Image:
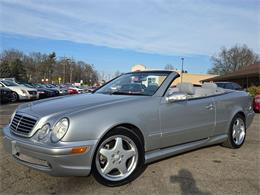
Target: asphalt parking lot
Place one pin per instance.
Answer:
(211, 170)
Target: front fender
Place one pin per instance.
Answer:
(94, 124)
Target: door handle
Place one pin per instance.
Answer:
(210, 107)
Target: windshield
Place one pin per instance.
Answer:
(138, 83)
(40, 86)
(9, 83)
(27, 85)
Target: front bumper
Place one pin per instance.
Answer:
(28, 97)
(54, 160)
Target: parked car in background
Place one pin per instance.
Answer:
(56, 91)
(19, 92)
(256, 102)
(5, 95)
(73, 88)
(62, 90)
(229, 85)
(72, 91)
(115, 131)
(43, 92)
(91, 89)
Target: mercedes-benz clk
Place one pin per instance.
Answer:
(133, 120)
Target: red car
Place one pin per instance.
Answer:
(256, 102)
(72, 91)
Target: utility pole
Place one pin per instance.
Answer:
(182, 59)
(70, 73)
(64, 70)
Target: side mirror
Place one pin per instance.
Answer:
(174, 97)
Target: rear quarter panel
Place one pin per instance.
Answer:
(227, 106)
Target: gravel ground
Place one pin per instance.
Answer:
(211, 170)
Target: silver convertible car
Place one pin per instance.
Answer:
(133, 120)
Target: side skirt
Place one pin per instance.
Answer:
(155, 155)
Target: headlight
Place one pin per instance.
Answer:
(59, 130)
(23, 91)
(43, 132)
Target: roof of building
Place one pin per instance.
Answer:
(250, 70)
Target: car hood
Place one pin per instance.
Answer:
(14, 88)
(69, 104)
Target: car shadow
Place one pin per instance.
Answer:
(187, 183)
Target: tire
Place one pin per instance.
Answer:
(108, 168)
(15, 97)
(237, 132)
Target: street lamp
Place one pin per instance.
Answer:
(182, 60)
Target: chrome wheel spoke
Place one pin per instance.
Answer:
(234, 133)
(122, 168)
(237, 136)
(241, 135)
(129, 153)
(105, 152)
(237, 123)
(109, 167)
(118, 144)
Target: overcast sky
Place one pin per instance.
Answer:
(150, 27)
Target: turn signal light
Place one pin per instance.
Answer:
(79, 150)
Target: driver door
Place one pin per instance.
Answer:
(186, 120)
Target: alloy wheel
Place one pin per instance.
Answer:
(238, 133)
(116, 158)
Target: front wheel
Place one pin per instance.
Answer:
(237, 132)
(14, 97)
(119, 158)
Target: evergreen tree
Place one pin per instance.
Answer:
(5, 71)
(18, 70)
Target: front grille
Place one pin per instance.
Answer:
(22, 125)
(32, 92)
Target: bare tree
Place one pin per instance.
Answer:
(233, 59)
(11, 55)
(37, 66)
(117, 73)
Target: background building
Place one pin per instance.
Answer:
(138, 67)
(186, 77)
(193, 78)
(246, 77)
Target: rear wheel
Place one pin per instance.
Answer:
(237, 132)
(119, 158)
